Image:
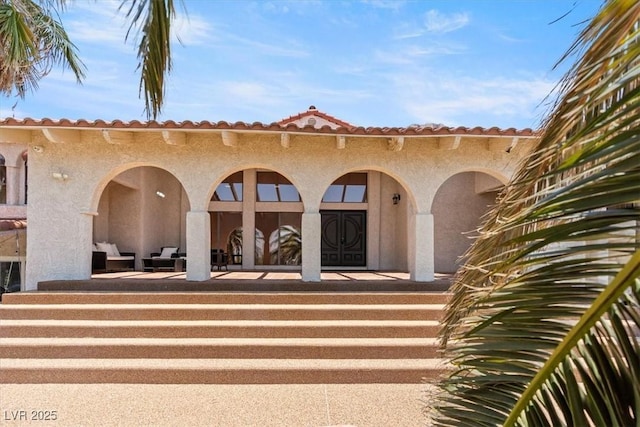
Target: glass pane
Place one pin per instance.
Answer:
(273, 187)
(349, 188)
(224, 225)
(355, 194)
(224, 193)
(237, 189)
(267, 193)
(284, 245)
(333, 194)
(289, 240)
(230, 189)
(288, 193)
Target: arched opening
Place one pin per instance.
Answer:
(458, 208)
(141, 210)
(364, 222)
(267, 203)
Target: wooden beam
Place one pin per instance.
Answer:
(174, 138)
(230, 139)
(341, 142)
(285, 140)
(395, 143)
(116, 137)
(15, 136)
(61, 135)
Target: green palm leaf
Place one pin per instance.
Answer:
(542, 327)
(153, 20)
(33, 41)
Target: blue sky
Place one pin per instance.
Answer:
(370, 63)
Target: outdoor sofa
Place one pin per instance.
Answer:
(106, 257)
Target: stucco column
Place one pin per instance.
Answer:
(421, 250)
(62, 252)
(199, 246)
(249, 219)
(311, 245)
(373, 221)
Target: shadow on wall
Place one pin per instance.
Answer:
(458, 208)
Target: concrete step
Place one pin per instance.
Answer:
(222, 311)
(219, 348)
(220, 371)
(76, 297)
(219, 328)
(220, 337)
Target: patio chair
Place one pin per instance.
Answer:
(219, 259)
(163, 260)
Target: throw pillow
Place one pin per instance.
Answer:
(168, 251)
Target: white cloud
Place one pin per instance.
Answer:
(413, 54)
(252, 92)
(299, 7)
(92, 33)
(437, 22)
(385, 4)
(192, 30)
(273, 49)
(498, 101)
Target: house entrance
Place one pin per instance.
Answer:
(344, 238)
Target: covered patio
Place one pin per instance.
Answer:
(251, 281)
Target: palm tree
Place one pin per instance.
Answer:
(543, 327)
(33, 41)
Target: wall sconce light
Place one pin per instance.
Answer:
(60, 176)
(38, 148)
(160, 194)
(396, 198)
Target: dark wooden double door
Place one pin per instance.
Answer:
(344, 241)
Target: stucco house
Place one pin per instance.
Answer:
(313, 192)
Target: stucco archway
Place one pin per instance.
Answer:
(142, 209)
(375, 203)
(262, 200)
(458, 207)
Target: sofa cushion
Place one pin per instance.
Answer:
(104, 247)
(114, 250)
(168, 251)
(110, 248)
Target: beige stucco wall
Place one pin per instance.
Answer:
(458, 204)
(62, 212)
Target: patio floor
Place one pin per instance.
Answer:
(337, 281)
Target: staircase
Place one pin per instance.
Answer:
(219, 337)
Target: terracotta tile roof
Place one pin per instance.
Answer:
(413, 130)
(313, 111)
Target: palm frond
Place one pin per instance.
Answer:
(153, 19)
(542, 327)
(33, 41)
